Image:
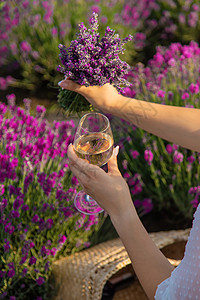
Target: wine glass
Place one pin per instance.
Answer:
(93, 141)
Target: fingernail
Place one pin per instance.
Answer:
(116, 151)
(59, 83)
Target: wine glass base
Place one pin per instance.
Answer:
(86, 204)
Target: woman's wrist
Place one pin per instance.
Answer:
(124, 217)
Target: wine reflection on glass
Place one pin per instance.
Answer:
(93, 141)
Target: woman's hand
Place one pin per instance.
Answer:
(110, 190)
(102, 97)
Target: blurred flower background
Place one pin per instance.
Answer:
(38, 221)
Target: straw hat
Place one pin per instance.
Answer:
(83, 275)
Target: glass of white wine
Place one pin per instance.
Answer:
(93, 141)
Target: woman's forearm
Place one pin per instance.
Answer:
(150, 265)
(179, 125)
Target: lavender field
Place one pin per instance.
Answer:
(38, 220)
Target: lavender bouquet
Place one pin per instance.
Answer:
(92, 61)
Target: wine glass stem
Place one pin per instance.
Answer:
(88, 198)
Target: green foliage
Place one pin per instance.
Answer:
(73, 102)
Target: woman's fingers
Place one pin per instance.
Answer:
(71, 85)
(112, 163)
(82, 166)
(82, 178)
(85, 179)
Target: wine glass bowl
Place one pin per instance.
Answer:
(93, 141)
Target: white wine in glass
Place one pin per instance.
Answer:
(94, 142)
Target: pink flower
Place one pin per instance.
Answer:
(131, 181)
(127, 92)
(175, 147)
(35, 54)
(96, 9)
(54, 31)
(23, 259)
(35, 219)
(147, 205)
(125, 164)
(181, 18)
(11, 99)
(178, 157)
(9, 228)
(161, 94)
(139, 36)
(49, 223)
(48, 17)
(126, 175)
(53, 251)
(7, 246)
(185, 96)
(137, 203)
(24, 272)
(40, 111)
(169, 149)
(195, 202)
(75, 180)
(25, 4)
(195, 7)
(2, 189)
(193, 19)
(3, 83)
(134, 153)
(40, 280)
(4, 36)
(86, 244)
(136, 189)
(158, 59)
(11, 273)
(172, 62)
(25, 46)
(62, 239)
(104, 20)
(32, 260)
(194, 88)
(32, 244)
(3, 108)
(45, 4)
(191, 159)
(148, 156)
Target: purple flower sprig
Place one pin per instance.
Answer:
(90, 61)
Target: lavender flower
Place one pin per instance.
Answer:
(36, 195)
(148, 156)
(32, 260)
(93, 61)
(11, 273)
(178, 157)
(158, 22)
(40, 280)
(147, 205)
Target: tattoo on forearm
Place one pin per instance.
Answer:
(142, 108)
